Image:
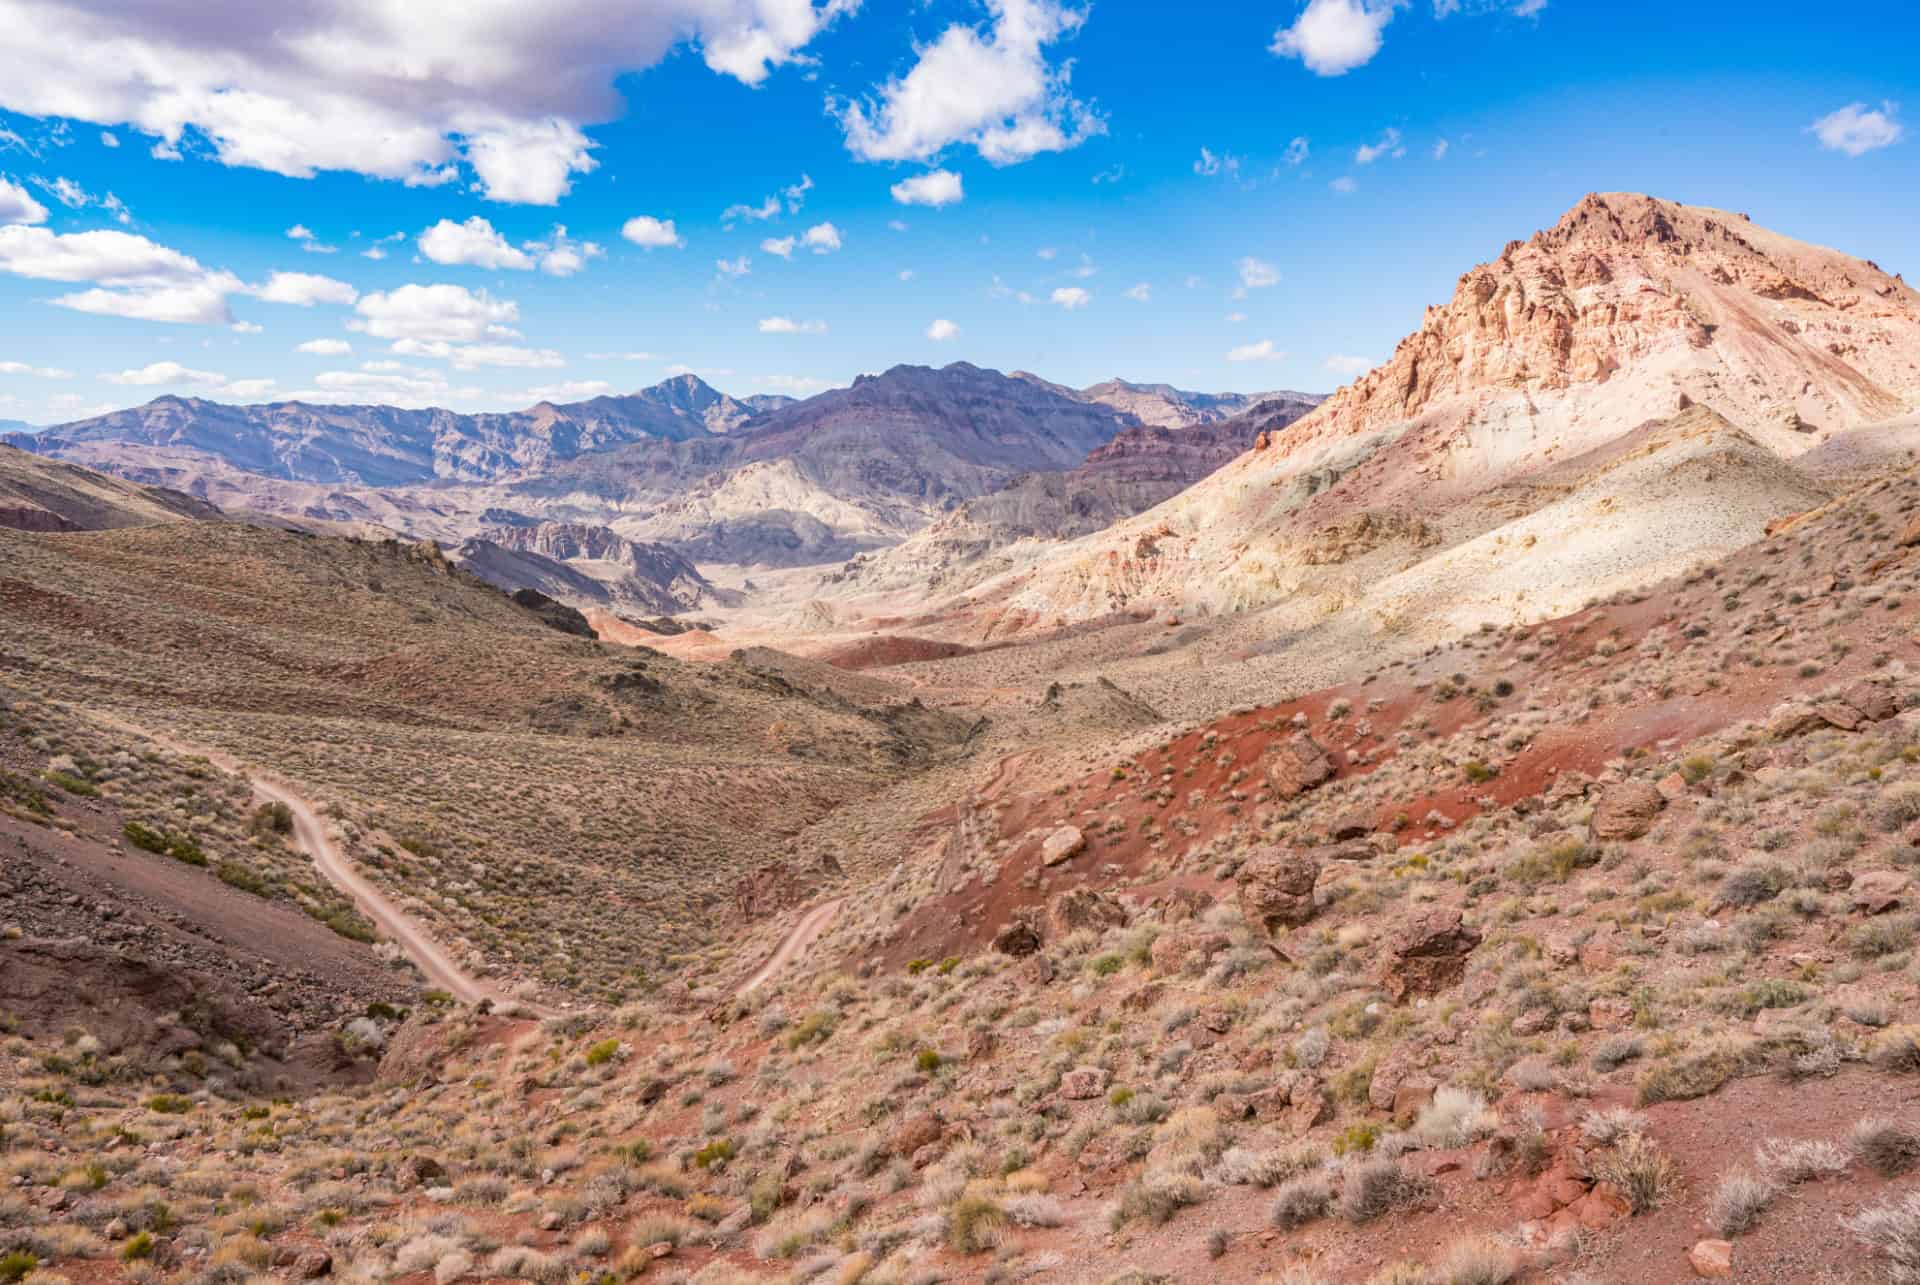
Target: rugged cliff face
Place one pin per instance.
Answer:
(1624, 314)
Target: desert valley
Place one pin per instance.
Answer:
(1453, 823)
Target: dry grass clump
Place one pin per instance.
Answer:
(1300, 1201)
(1377, 1186)
(1794, 1161)
(1454, 1118)
(523, 1262)
(1640, 1169)
(1888, 1147)
(1478, 1261)
(1737, 1202)
(1892, 1230)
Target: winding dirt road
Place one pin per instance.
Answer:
(310, 836)
(796, 943)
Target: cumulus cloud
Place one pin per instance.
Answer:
(164, 372)
(18, 206)
(436, 313)
(560, 255)
(651, 233)
(935, 188)
(474, 356)
(942, 330)
(1262, 351)
(473, 243)
(1348, 367)
(739, 267)
(788, 326)
(1141, 293)
(1389, 145)
(822, 238)
(1440, 150)
(1297, 151)
(1332, 37)
(1071, 297)
(134, 277)
(567, 390)
(1255, 274)
(43, 372)
(308, 241)
(392, 89)
(789, 198)
(1343, 184)
(325, 347)
(994, 91)
(304, 289)
(780, 246)
(1856, 131)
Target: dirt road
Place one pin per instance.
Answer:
(804, 934)
(310, 835)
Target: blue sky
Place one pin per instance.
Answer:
(1131, 197)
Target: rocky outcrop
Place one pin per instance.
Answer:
(1276, 890)
(1084, 908)
(1299, 765)
(1428, 954)
(1626, 811)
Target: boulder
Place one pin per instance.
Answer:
(1878, 891)
(1610, 1013)
(1063, 844)
(1626, 811)
(1428, 954)
(1874, 700)
(1841, 715)
(1083, 1082)
(1276, 889)
(419, 1171)
(312, 1265)
(1019, 938)
(1172, 951)
(1085, 908)
(1299, 764)
(1793, 718)
(916, 1132)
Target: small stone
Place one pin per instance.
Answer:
(1711, 1258)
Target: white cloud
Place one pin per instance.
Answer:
(906, 274)
(1256, 274)
(311, 244)
(325, 347)
(1047, 252)
(17, 206)
(146, 281)
(1071, 297)
(474, 244)
(654, 234)
(63, 190)
(398, 386)
(1141, 293)
(793, 385)
(1236, 317)
(1348, 367)
(1440, 150)
(1209, 164)
(622, 356)
(738, 267)
(109, 139)
(942, 330)
(1856, 131)
(164, 372)
(304, 289)
(1389, 145)
(935, 188)
(438, 313)
(788, 326)
(392, 89)
(779, 246)
(1262, 351)
(570, 390)
(1297, 151)
(995, 92)
(43, 372)
(474, 356)
(560, 255)
(247, 328)
(1343, 184)
(822, 238)
(791, 197)
(897, 225)
(1332, 37)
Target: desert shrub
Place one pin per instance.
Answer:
(814, 1028)
(271, 819)
(716, 1152)
(1032, 1209)
(1640, 1170)
(602, 1053)
(523, 1262)
(1883, 936)
(786, 1236)
(1892, 1230)
(1887, 1147)
(655, 1229)
(1616, 1051)
(1897, 1048)
(1377, 1186)
(1157, 1196)
(1454, 1118)
(1692, 1075)
(1898, 807)
(1479, 1261)
(1301, 1201)
(1792, 1162)
(974, 1224)
(169, 1104)
(144, 837)
(16, 1264)
(1752, 882)
(1738, 1201)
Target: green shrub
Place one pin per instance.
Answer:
(16, 1265)
(814, 1028)
(271, 819)
(602, 1053)
(243, 877)
(138, 1246)
(72, 784)
(144, 837)
(169, 1104)
(927, 1060)
(719, 1151)
(183, 848)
